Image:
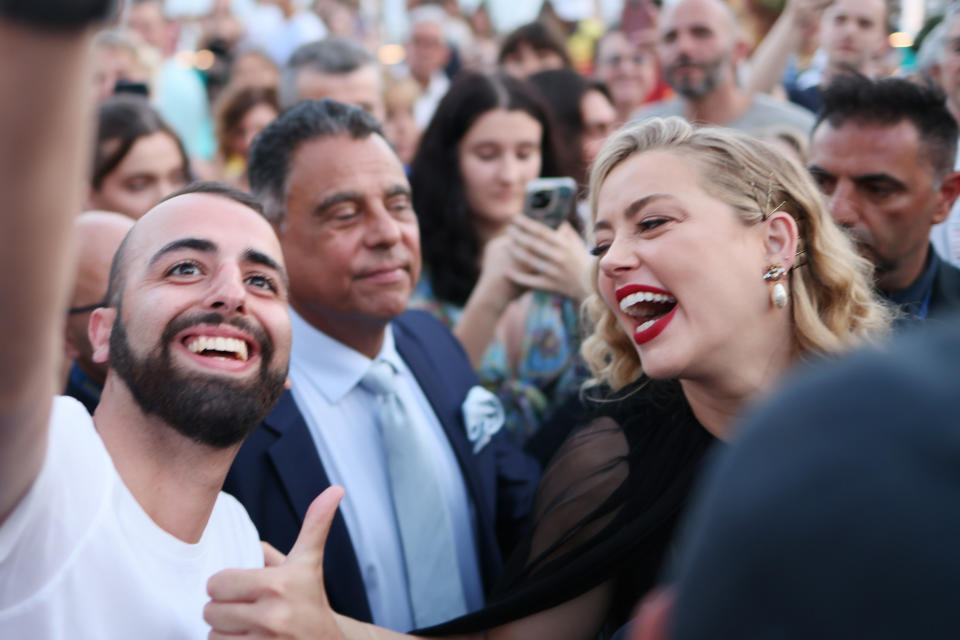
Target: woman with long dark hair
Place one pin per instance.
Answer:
(490, 136)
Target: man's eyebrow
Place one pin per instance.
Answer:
(820, 171)
(398, 190)
(337, 198)
(880, 177)
(258, 257)
(197, 244)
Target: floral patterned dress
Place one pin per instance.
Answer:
(549, 370)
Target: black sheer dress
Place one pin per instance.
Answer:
(605, 509)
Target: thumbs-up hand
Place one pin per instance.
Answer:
(287, 598)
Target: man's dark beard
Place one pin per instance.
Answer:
(210, 409)
(711, 77)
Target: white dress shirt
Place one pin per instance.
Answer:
(342, 419)
(946, 235)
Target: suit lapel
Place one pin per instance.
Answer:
(302, 476)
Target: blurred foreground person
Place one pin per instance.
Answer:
(832, 518)
(138, 159)
(718, 268)
(883, 153)
(98, 236)
(112, 526)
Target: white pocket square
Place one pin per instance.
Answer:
(483, 416)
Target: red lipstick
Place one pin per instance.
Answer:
(651, 332)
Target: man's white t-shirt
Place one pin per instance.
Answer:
(79, 557)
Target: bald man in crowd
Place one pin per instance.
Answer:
(98, 235)
(700, 47)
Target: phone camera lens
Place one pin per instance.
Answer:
(540, 199)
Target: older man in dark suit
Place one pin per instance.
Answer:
(383, 401)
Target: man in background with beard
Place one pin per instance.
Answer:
(110, 527)
(700, 47)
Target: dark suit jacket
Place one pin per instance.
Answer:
(278, 470)
(945, 299)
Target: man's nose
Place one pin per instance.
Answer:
(383, 229)
(227, 292)
(844, 208)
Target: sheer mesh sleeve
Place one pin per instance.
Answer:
(605, 510)
(573, 502)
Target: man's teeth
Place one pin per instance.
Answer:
(644, 296)
(199, 344)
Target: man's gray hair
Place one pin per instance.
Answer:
(333, 55)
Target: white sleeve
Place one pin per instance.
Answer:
(59, 512)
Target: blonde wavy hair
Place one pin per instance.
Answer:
(833, 301)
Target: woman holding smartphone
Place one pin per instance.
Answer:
(507, 284)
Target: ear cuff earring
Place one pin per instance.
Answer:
(778, 295)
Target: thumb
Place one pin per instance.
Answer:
(316, 525)
(271, 557)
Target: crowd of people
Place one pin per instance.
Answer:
(639, 330)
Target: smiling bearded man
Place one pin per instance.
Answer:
(124, 522)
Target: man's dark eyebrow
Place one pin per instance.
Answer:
(337, 198)
(398, 190)
(258, 257)
(817, 170)
(880, 177)
(197, 244)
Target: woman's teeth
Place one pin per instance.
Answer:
(645, 303)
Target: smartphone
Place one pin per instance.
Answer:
(549, 200)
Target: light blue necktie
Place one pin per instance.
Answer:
(426, 531)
